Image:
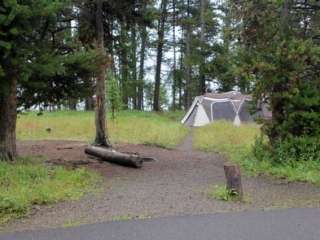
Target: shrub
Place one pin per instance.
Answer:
(288, 151)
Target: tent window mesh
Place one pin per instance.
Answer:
(223, 110)
(244, 112)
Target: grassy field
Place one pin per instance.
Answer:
(225, 138)
(28, 182)
(162, 129)
(235, 143)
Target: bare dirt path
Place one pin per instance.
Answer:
(176, 184)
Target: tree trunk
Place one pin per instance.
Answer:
(89, 105)
(124, 64)
(112, 48)
(188, 72)
(285, 18)
(134, 66)
(174, 77)
(143, 33)
(8, 118)
(161, 23)
(102, 61)
(180, 85)
(110, 155)
(202, 77)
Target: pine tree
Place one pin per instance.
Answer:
(282, 59)
(23, 24)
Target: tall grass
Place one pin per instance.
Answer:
(129, 127)
(225, 138)
(236, 144)
(28, 182)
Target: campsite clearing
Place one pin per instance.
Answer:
(177, 184)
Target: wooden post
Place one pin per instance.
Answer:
(233, 177)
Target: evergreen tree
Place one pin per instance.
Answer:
(281, 58)
(23, 26)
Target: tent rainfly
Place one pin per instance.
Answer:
(231, 106)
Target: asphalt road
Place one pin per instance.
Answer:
(291, 224)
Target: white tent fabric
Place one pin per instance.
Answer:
(232, 106)
(201, 117)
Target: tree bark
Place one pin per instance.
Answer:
(161, 23)
(89, 105)
(174, 77)
(285, 19)
(8, 118)
(134, 65)
(188, 73)
(202, 77)
(110, 155)
(124, 64)
(143, 33)
(101, 138)
(233, 178)
(180, 85)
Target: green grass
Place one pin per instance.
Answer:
(221, 193)
(235, 143)
(29, 182)
(223, 137)
(135, 127)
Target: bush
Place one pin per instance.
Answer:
(289, 151)
(296, 159)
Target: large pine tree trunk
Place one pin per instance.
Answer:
(174, 81)
(8, 117)
(102, 61)
(180, 84)
(143, 33)
(124, 66)
(88, 104)
(156, 100)
(202, 77)
(188, 73)
(134, 66)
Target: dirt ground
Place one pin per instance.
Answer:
(176, 184)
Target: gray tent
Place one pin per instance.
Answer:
(231, 106)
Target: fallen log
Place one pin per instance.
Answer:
(233, 177)
(113, 156)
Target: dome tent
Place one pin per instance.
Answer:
(231, 106)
